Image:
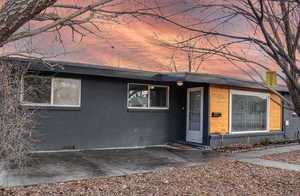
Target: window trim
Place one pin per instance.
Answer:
(249, 93)
(52, 93)
(149, 106)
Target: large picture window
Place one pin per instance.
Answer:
(144, 96)
(50, 91)
(249, 111)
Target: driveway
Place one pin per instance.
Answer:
(76, 165)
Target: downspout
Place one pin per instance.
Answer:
(283, 121)
(208, 115)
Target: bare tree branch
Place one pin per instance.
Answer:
(273, 29)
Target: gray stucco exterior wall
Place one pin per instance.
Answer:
(292, 129)
(103, 120)
(291, 124)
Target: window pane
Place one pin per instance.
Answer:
(37, 90)
(249, 113)
(66, 92)
(138, 95)
(195, 111)
(158, 96)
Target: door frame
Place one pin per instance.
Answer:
(201, 109)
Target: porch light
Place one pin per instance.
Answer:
(152, 87)
(179, 83)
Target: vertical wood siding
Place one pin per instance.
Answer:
(220, 102)
(275, 113)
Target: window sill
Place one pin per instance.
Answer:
(148, 110)
(249, 132)
(65, 108)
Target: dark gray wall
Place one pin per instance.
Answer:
(292, 131)
(104, 120)
(251, 138)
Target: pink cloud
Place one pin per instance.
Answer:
(130, 44)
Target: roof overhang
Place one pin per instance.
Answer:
(106, 71)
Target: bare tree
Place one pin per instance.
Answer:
(184, 55)
(270, 28)
(55, 15)
(17, 136)
(192, 58)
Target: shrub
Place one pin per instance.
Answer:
(17, 137)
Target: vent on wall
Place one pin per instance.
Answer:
(216, 114)
(71, 147)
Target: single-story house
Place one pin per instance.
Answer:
(83, 106)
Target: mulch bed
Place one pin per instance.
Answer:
(223, 177)
(288, 157)
(249, 147)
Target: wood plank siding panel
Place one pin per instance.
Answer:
(275, 113)
(220, 102)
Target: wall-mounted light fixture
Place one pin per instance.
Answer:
(179, 83)
(152, 87)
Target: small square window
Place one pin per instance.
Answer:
(66, 92)
(138, 96)
(158, 96)
(37, 90)
(147, 96)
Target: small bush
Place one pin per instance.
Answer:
(265, 142)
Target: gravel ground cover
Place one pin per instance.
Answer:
(288, 157)
(222, 177)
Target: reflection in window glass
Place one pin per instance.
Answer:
(249, 113)
(66, 92)
(50, 91)
(138, 95)
(158, 96)
(195, 110)
(37, 90)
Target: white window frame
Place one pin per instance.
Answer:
(52, 93)
(249, 93)
(149, 88)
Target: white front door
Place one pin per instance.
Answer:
(194, 125)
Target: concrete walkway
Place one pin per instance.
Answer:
(255, 157)
(67, 166)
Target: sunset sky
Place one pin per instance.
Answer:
(135, 44)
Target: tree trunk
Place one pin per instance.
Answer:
(15, 13)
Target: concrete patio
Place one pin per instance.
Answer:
(49, 167)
